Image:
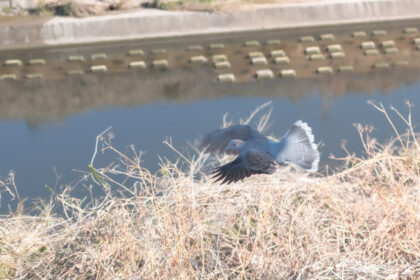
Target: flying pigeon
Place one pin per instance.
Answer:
(256, 154)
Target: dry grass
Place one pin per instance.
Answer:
(82, 8)
(360, 223)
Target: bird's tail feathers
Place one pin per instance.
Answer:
(299, 147)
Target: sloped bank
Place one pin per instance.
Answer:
(360, 223)
(149, 23)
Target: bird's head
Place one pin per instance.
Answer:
(234, 147)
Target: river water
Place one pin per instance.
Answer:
(49, 119)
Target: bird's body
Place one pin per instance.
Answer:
(256, 154)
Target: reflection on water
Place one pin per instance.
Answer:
(52, 122)
(37, 102)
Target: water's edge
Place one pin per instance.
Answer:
(157, 23)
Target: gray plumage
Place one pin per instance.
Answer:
(256, 154)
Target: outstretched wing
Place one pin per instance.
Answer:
(233, 172)
(253, 162)
(217, 141)
(299, 147)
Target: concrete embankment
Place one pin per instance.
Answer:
(149, 23)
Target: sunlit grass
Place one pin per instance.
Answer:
(362, 222)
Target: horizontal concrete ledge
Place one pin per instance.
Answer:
(149, 23)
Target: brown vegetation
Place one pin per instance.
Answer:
(360, 223)
(79, 8)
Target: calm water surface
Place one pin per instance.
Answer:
(48, 126)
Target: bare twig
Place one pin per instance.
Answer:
(99, 137)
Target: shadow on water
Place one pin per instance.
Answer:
(51, 124)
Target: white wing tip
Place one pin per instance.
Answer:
(314, 167)
(308, 132)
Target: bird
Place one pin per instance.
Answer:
(257, 154)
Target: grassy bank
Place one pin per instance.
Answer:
(79, 8)
(362, 222)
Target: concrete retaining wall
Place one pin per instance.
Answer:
(156, 23)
